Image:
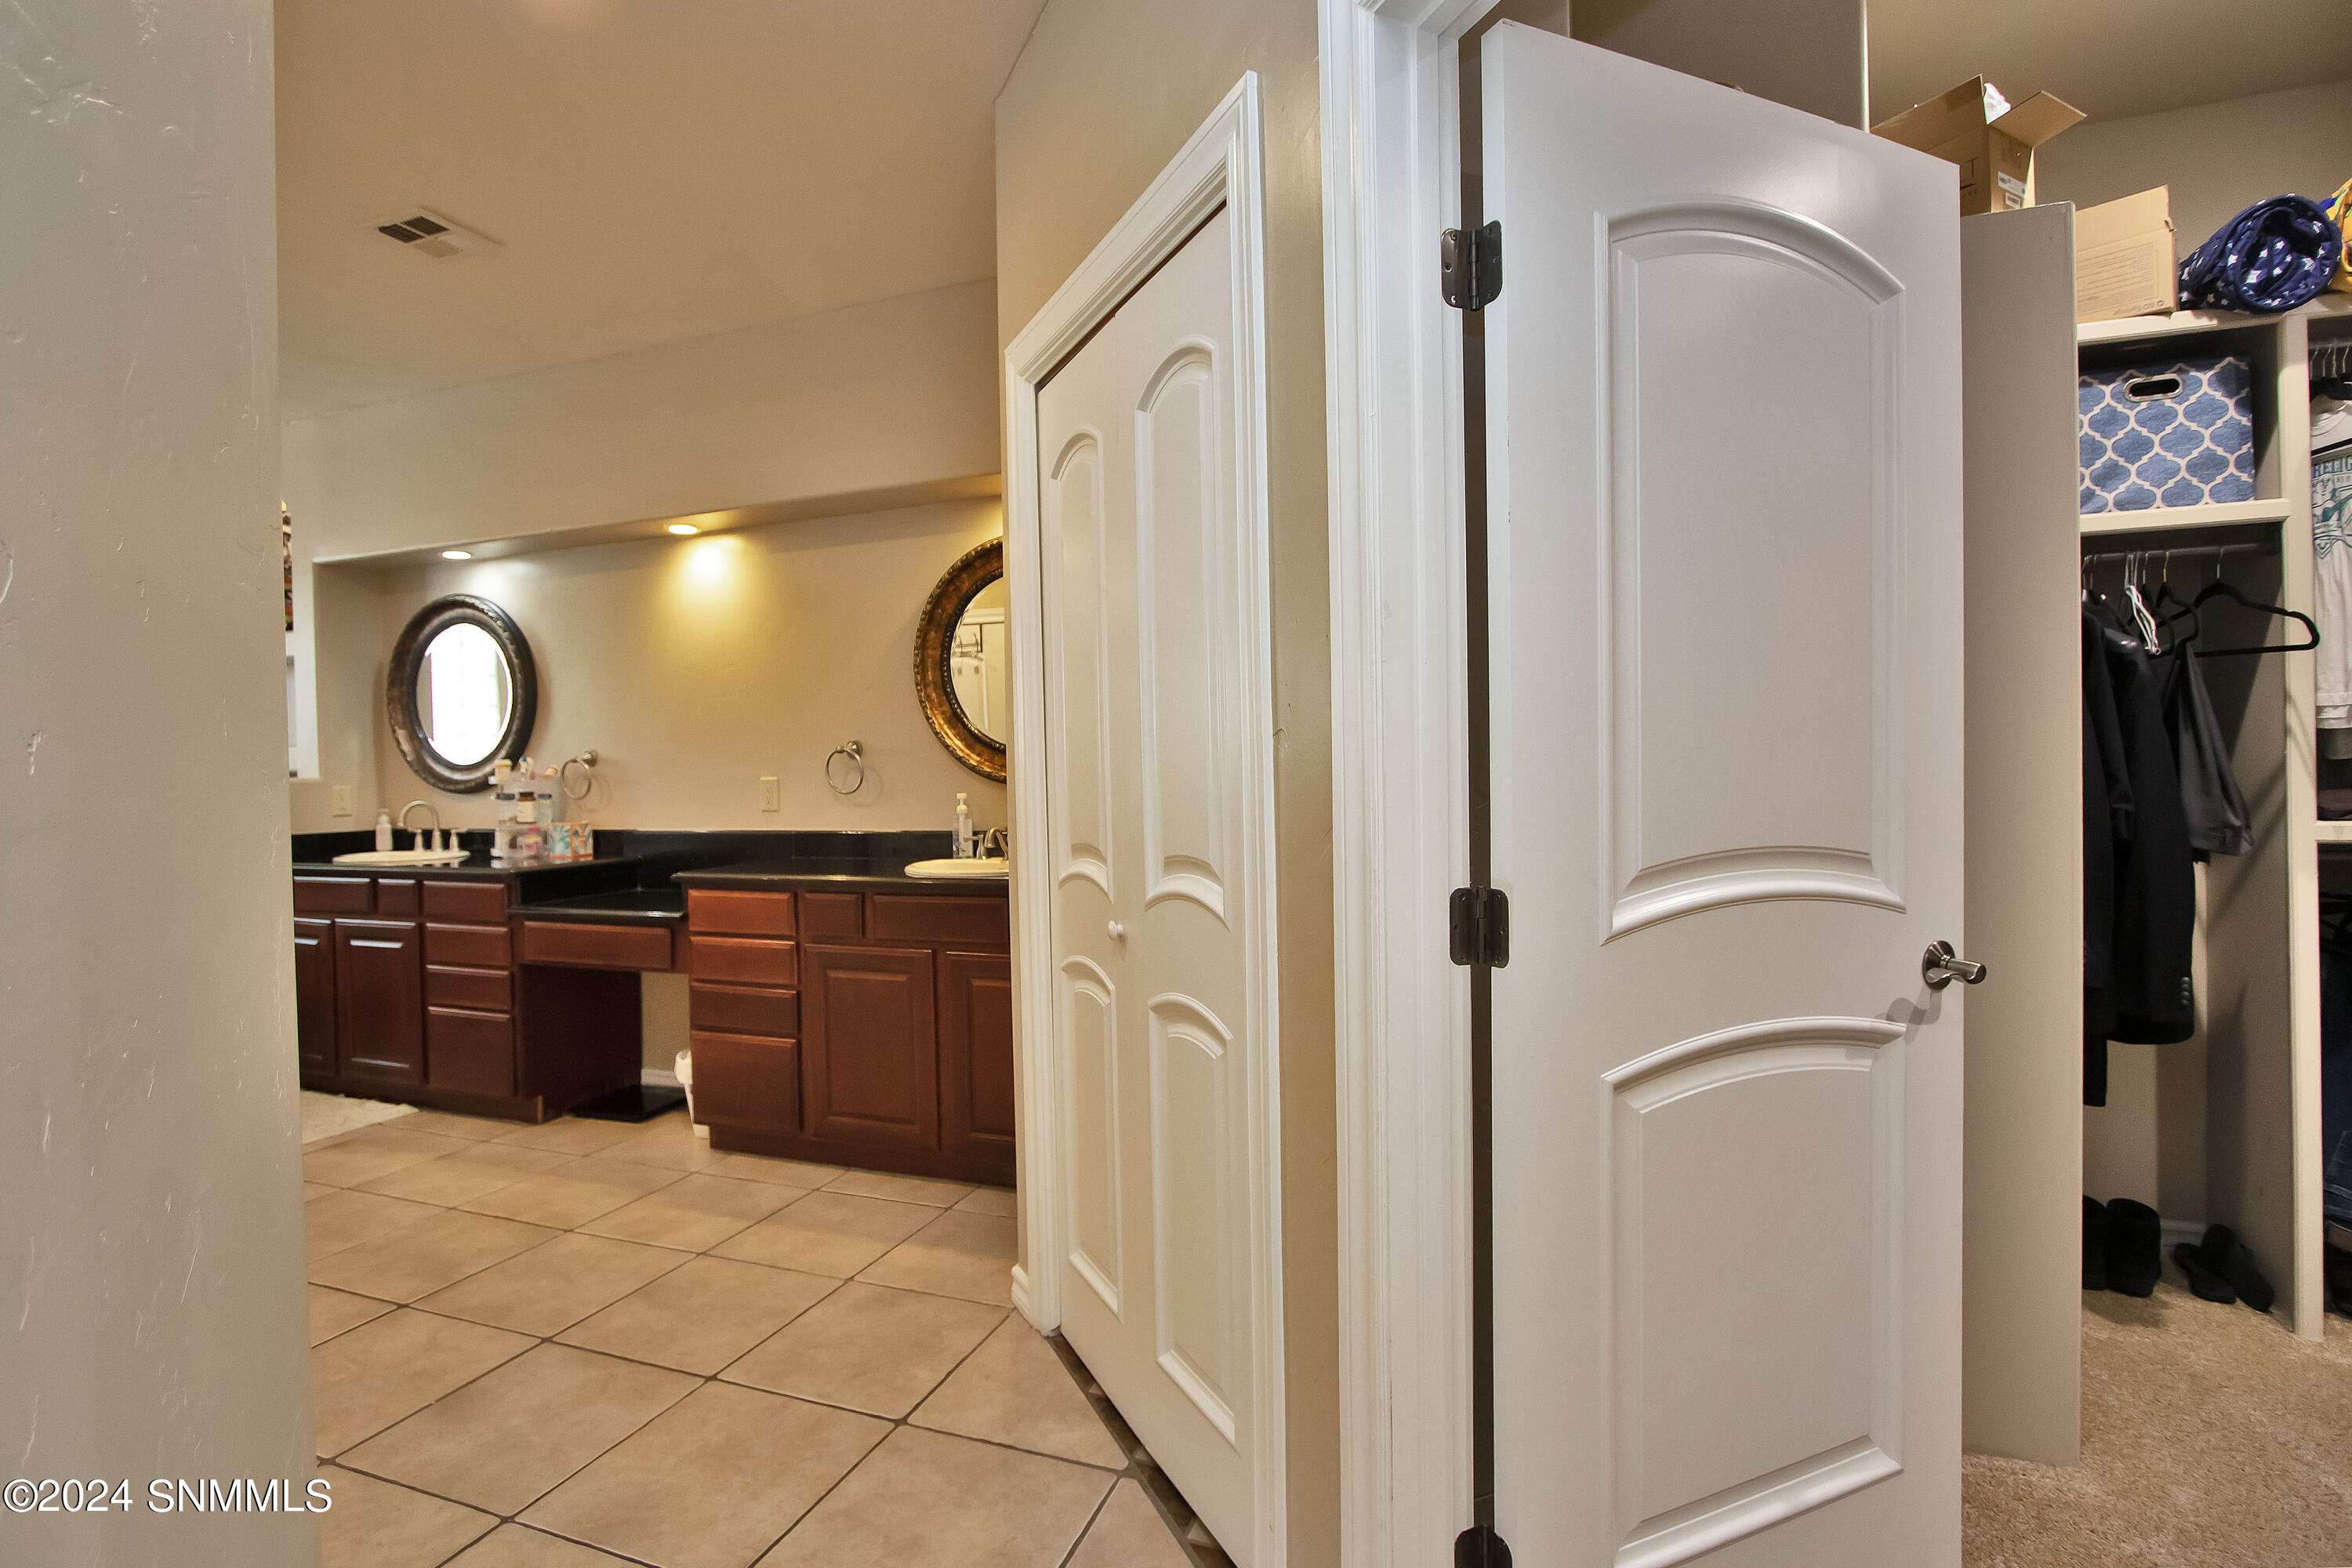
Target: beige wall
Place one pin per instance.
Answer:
(1103, 96)
(149, 1129)
(2217, 157)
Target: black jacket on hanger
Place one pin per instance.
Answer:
(2154, 880)
(2107, 821)
(2218, 823)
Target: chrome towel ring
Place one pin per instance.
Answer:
(853, 754)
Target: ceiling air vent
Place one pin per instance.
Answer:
(434, 234)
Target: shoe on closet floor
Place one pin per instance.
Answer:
(2203, 1283)
(2226, 1256)
(2095, 1245)
(2135, 1248)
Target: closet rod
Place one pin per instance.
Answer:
(2219, 552)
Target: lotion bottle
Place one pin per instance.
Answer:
(963, 829)
(383, 829)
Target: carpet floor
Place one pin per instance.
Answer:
(2212, 1438)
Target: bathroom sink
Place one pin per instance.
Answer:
(957, 870)
(402, 857)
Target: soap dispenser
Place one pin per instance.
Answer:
(383, 829)
(963, 828)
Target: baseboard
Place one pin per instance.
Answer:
(658, 1078)
(2177, 1231)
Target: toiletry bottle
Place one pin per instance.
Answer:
(963, 828)
(384, 830)
(502, 848)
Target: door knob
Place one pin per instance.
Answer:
(1940, 967)
(1117, 932)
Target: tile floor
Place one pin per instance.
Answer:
(588, 1343)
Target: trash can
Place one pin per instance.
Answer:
(686, 1082)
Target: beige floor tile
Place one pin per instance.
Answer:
(901, 1189)
(420, 1259)
(344, 1219)
(928, 1500)
(694, 1213)
(1014, 1389)
(510, 1436)
(374, 1524)
(700, 1315)
(783, 1173)
(554, 1285)
(449, 1125)
(1129, 1533)
(377, 1152)
(868, 1349)
(332, 1311)
(317, 1190)
(669, 1142)
(570, 1135)
(966, 1255)
(712, 1480)
(828, 1232)
(473, 1169)
(572, 1194)
(363, 1381)
(513, 1546)
(991, 1200)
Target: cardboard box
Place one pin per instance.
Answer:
(2124, 263)
(1995, 156)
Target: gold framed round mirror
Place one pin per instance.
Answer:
(962, 660)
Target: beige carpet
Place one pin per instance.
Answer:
(332, 1115)
(2212, 1438)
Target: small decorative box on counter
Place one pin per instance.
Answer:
(2167, 435)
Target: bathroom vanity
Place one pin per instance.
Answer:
(841, 1011)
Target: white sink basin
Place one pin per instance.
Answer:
(402, 857)
(957, 870)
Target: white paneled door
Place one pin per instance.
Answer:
(1149, 781)
(1723, 381)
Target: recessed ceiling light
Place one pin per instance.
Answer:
(456, 555)
(683, 528)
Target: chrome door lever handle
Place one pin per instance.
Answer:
(1940, 967)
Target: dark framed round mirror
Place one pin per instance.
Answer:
(463, 692)
(962, 660)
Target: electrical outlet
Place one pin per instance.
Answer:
(342, 797)
(772, 794)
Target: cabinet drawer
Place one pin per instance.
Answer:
(481, 990)
(478, 901)
(333, 896)
(743, 1010)
(396, 895)
(899, 917)
(833, 914)
(741, 914)
(480, 947)
(733, 958)
(470, 1052)
(742, 1082)
(595, 946)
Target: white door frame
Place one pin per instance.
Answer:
(1399, 716)
(1222, 167)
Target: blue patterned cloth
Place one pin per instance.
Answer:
(2186, 449)
(2274, 256)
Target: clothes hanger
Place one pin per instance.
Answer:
(2220, 589)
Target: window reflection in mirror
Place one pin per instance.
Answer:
(465, 695)
(977, 665)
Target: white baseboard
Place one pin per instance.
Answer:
(658, 1078)
(2177, 1231)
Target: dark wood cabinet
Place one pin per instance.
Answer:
(314, 996)
(380, 1000)
(976, 1057)
(869, 1045)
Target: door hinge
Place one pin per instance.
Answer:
(1480, 1547)
(1478, 927)
(1470, 266)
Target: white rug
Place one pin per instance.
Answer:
(328, 1116)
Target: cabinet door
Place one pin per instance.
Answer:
(314, 996)
(869, 1045)
(380, 1000)
(976, 1054)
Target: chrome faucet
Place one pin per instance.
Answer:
(423, 840)
(996, 842)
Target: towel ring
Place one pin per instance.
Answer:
(586, 762)
(853, 752)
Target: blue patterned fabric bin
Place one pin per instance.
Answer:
(2146, 444)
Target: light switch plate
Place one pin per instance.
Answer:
(772, 794)
(341, 798)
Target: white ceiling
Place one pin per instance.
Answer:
(2110, 58)
(654, 170)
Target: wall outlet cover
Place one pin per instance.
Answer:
(340, 798)
(772, 794)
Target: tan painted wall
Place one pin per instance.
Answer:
(149, 1129)
(1103, 96)
(2217, 157)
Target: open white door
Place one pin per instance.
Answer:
(1724, 417)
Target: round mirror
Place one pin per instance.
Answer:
(462, 693)
(961, 669)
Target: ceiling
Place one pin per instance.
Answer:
(652, 169)
(2110, 58)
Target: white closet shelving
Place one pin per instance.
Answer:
(2262, 1160)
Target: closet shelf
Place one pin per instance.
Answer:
(2128, 329)
(2174, 519)
(2334, 833)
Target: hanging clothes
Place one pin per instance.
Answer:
(2214, 807)
(2107, 821)
(2331, 600)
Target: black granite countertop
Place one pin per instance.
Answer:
(828, 876)
(631, 907)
